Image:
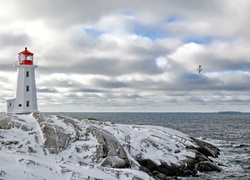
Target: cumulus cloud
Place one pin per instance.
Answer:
(130, 55)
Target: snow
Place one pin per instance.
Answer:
(149, 138)
(23, 155)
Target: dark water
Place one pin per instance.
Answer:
(229, 132)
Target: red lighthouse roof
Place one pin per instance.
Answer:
(26, 52)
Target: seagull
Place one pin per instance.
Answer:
(199, 68)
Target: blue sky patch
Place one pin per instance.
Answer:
(93, 32)
(199, 40)
(149, 32)
(173, 19)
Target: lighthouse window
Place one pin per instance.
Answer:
(27, 73)
(27, 103)
(27, 88)
(20, 105)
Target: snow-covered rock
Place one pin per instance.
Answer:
(39, 146)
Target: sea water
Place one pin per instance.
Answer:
(228, 131)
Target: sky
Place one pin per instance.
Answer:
(130, 56)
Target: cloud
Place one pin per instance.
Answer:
(131, 55)
(13, 39)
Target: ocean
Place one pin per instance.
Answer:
(228, 131)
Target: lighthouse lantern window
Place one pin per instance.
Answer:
(25, 57)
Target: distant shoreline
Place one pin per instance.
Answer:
(230, 112)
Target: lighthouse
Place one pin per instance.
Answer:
(26, 98)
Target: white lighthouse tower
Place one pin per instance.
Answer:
(26, 99)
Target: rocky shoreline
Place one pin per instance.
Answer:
(159, 152)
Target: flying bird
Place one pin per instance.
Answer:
(199, 68)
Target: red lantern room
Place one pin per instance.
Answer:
(25, 57)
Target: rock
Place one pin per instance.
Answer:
(56, 139)
(188, 173)
(2, 173)
(159, 175)
(109, 148)
(206, 149)
(9, 142)
(207, 166)
(74, 124)
(8, 123)
(92, 119)
(115, 162)
(177, 151)
(148, 165)
(188, 167)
